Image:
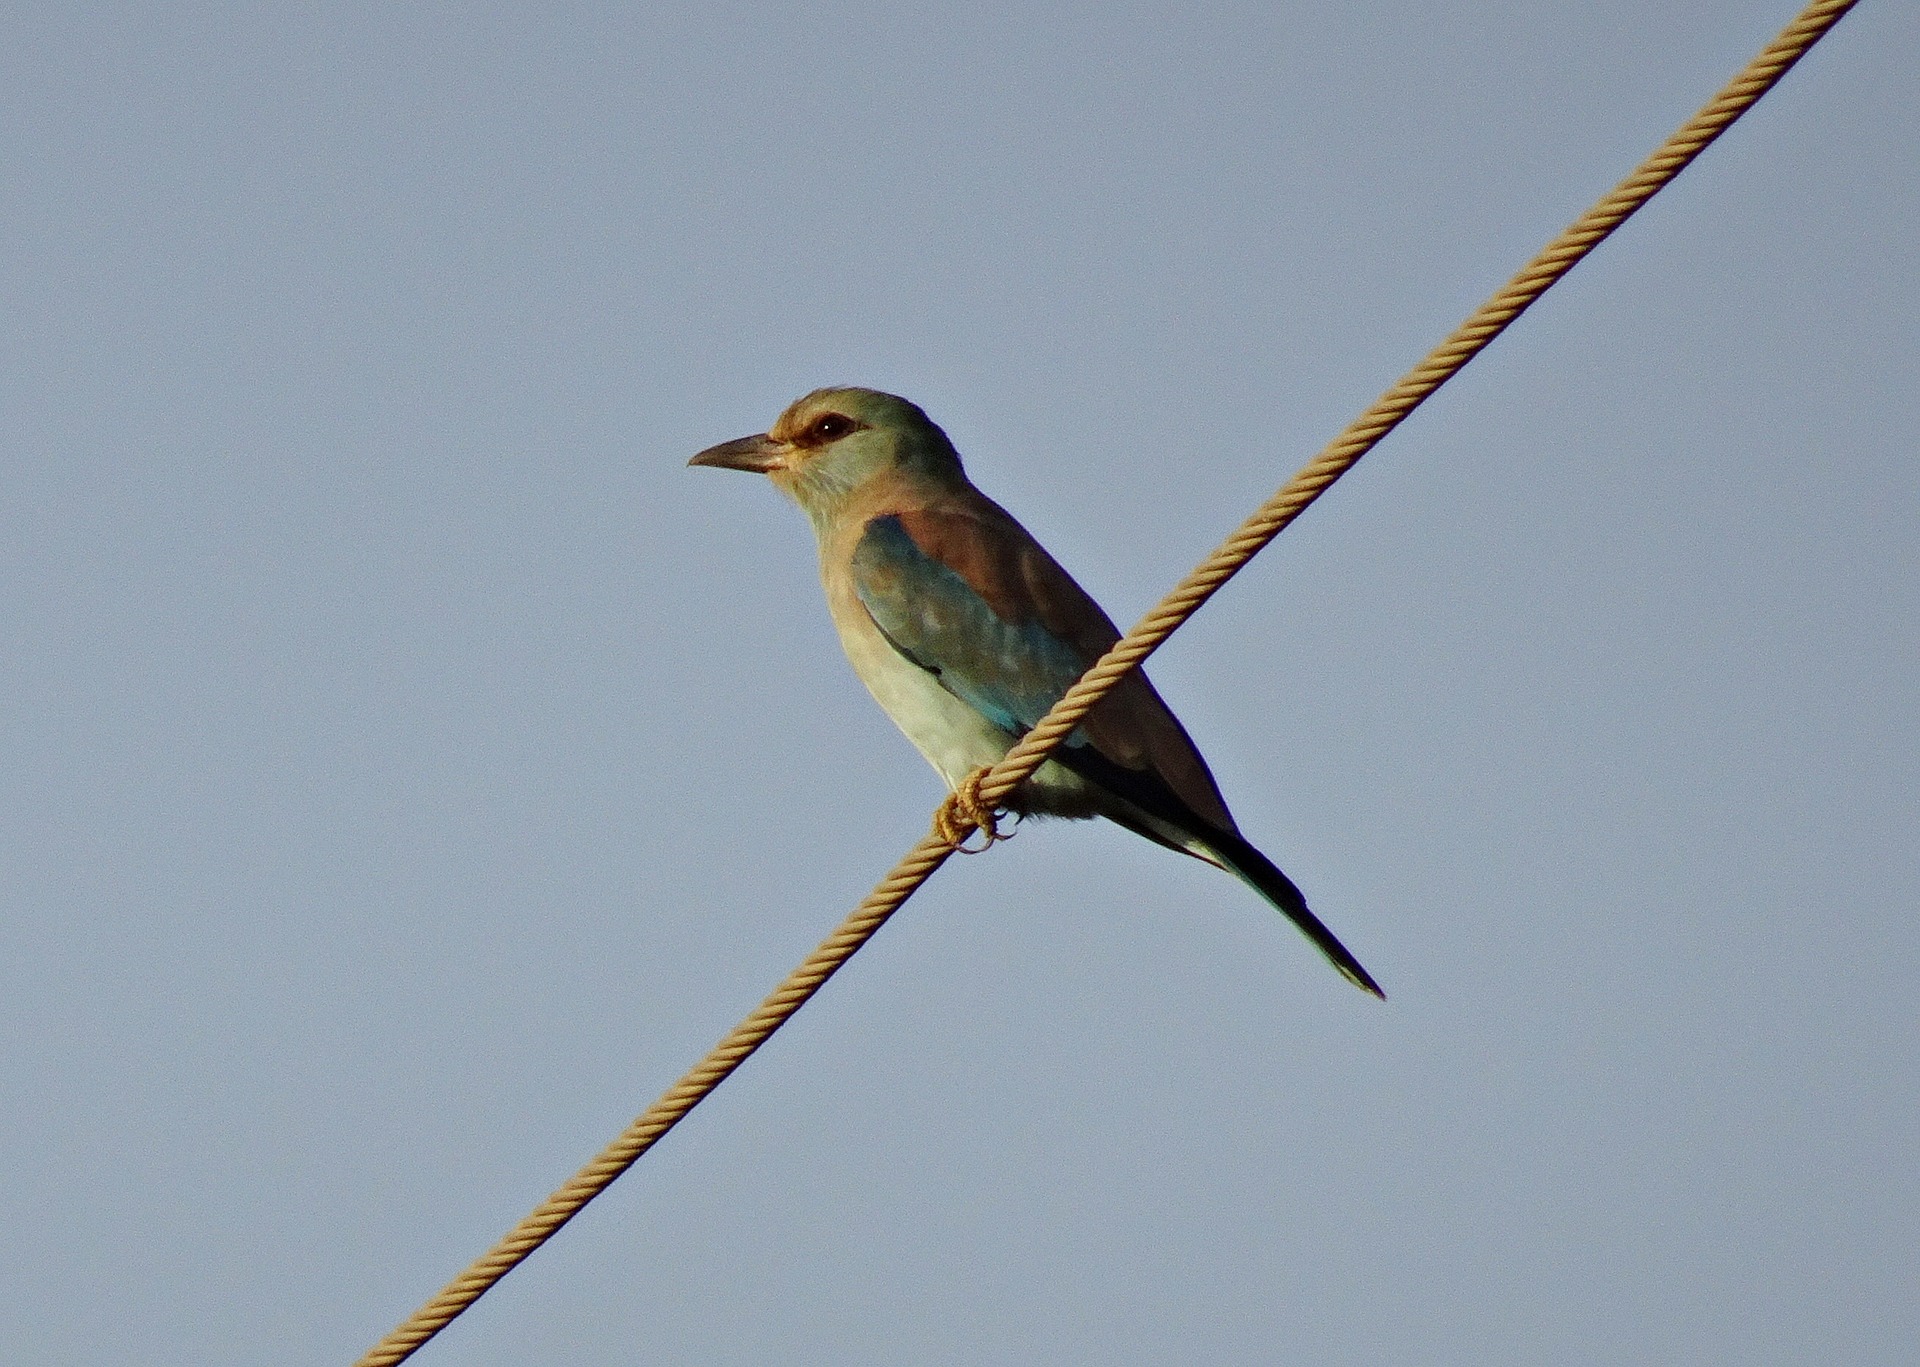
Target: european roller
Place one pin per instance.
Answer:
(966, 631)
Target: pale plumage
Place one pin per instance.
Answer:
(966, 631)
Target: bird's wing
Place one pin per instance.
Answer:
(970, 597)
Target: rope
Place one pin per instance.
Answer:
(1339, 456)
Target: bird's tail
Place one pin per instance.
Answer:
(1142, 802)
(1232, 853)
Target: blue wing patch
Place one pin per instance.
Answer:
(1010, 672)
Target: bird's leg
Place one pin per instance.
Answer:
(964, 811)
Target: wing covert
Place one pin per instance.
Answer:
(1002, 661)
(970, 597)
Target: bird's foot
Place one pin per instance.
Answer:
(964, 811)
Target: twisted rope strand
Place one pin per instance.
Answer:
(1339, 456)
(545, 1220)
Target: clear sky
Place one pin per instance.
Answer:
(408, 766)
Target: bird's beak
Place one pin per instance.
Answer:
(756, 454)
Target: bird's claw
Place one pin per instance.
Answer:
(963, 812)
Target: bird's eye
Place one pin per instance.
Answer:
(831, 427)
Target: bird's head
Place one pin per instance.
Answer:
(835, 442)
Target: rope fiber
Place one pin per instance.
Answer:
(993, 786)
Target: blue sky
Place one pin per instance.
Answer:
(410, 767)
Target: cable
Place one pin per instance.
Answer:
(1339, 456)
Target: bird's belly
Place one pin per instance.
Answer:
(955, 739)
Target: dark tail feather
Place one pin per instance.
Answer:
(1141, 802)
(1258, 872)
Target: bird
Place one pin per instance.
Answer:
(966, 631)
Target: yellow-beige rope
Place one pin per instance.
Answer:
(1336, 459)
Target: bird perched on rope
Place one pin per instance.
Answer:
(966, 631)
